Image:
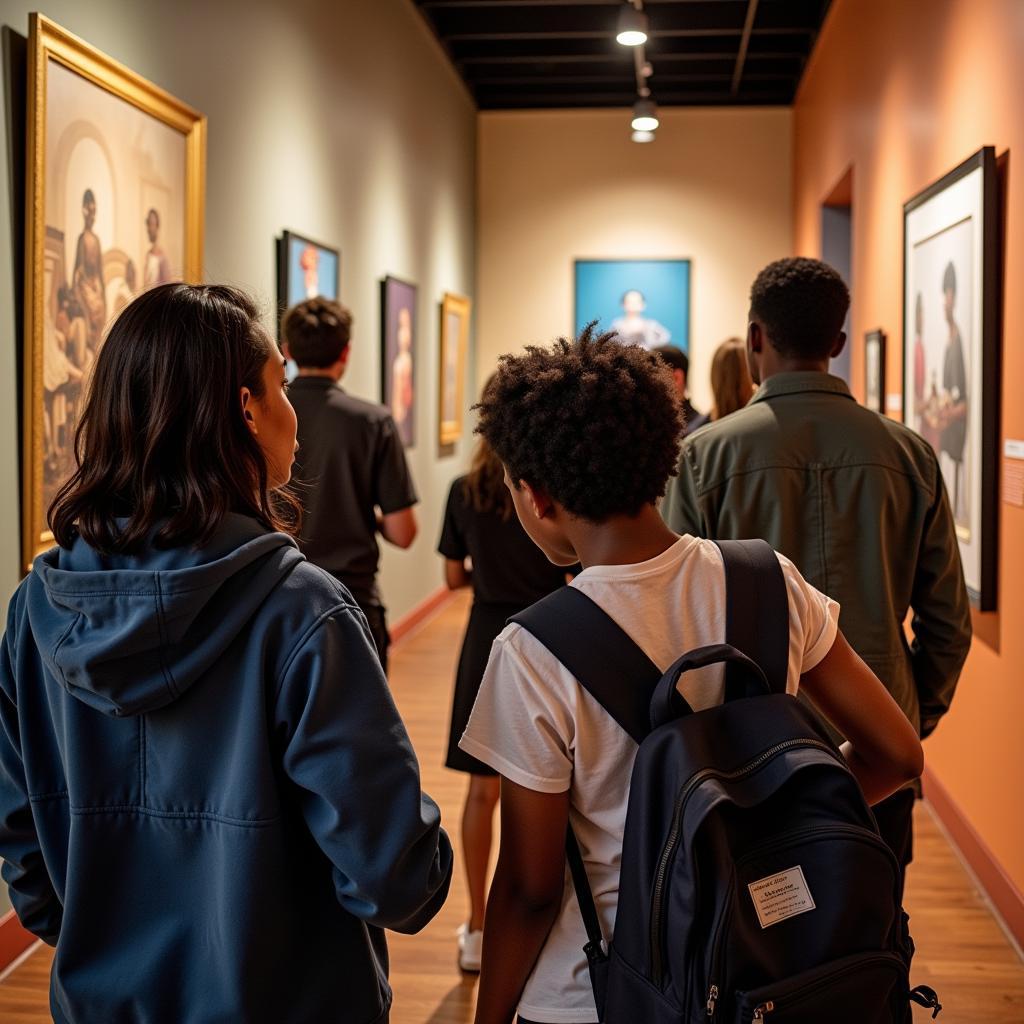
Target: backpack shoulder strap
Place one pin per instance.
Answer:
(757, 611)
(601, 655)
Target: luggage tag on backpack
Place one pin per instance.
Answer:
(781, 896)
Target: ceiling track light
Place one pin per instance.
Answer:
(632, 27)
(645, 115)
(643, 136)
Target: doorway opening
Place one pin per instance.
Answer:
(837, 250)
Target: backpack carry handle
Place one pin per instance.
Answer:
(668, 703)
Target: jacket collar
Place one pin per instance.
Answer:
(799, 383)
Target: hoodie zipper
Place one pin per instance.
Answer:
(668, 852)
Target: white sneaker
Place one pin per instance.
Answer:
(471, 947)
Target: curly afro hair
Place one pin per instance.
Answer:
(594, 423)
(802, 304)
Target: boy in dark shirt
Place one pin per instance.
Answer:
(350, 471)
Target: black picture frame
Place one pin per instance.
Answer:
(286, 284)
(972, 208)
(397, 294)
(874, 370)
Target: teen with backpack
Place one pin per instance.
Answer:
(588, 432)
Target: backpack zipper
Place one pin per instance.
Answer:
(857, 963)
(658, 894)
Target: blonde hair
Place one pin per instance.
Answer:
(731, 384)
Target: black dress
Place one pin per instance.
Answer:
(509, 574)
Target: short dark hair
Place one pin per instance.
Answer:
(152, 213)
(593, 422)
(88, 197)
(673, 357)
(162, 447)
(949, 278)
(317, 331)
(802, 304)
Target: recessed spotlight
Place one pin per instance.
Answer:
(632, 30)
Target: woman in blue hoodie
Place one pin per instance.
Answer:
(208, 801)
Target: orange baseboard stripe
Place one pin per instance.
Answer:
(14, 940)
(425, 610)
(1001, 890)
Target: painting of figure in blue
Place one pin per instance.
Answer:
(645, 302)
(310, 270)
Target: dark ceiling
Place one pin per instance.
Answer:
(563, 53)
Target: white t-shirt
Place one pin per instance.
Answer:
(535, 725)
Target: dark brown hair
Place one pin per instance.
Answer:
(802, 304)
(485, 481)
(593, 422)
(162, 447)
(317, 332)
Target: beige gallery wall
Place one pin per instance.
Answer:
(555, 186)
(341, 121)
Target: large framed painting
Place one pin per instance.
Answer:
(874, 371)
(116, 170)
(646, 302)
(305, 270)
(398, 355)
(951, 350)
(455, 312)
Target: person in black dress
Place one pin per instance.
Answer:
(507, 572)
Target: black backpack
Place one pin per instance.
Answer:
(754, 884)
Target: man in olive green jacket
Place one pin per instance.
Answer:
(855, 500)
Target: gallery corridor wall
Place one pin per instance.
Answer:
(555, 186)
(902, 93)
(343, 122)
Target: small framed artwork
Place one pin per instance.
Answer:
(874, 371)
(951, 350)
(455, 312)
(645, 302)
(116, 179)
(398, 355)
(305, 270)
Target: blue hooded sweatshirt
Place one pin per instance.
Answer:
(208, 801)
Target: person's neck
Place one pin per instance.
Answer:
(770, 367)
(314, 371)
(622, 540)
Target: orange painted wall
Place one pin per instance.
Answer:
(903, 91)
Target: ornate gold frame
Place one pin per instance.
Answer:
(48, 41)
(449, 431)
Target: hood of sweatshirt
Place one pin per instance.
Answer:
(128, 634)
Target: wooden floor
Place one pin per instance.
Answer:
(961, 951)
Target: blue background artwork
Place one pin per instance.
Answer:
(327, 271)
(600, 285)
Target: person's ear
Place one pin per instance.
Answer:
(248, 405)
(539, 500)
(839, 345)
(285, 350)
(755, 337)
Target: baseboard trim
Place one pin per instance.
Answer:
(14, 940)
(1006, 899)
(401, 628)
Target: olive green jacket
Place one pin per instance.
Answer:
(857, 502)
